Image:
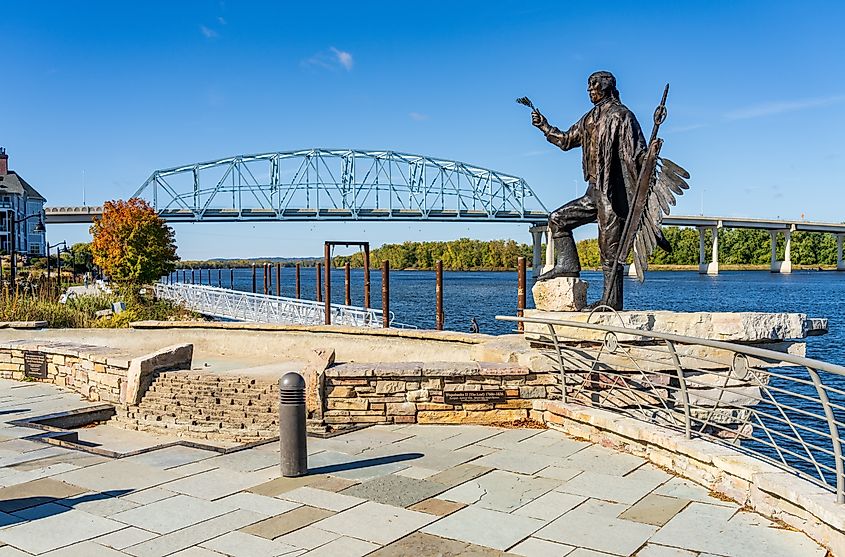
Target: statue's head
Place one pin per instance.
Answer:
(601, 85)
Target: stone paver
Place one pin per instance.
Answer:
(343, 547)
(535, 547)
(485, 527)
(398, 491)
(500, 491)
(328, 500)
(37, 492)
(290, 521)
(308, 538)
(419, 544)
(171, 514)
(435, 506)
(240, 544)
(125, 537)
(387, 491)
(376, 523)
(655, 509)
(580, 528)
(53, 532)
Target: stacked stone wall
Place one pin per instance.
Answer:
(96, 376)
(424, 392)
(197, 406)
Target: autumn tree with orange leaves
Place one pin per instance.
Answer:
(132, 244)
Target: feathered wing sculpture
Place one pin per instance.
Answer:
(667, 183)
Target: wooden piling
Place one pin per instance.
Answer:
(520, 291)
(298, 296)
(327, 253)
(319, 282)
(385, 293)
(232, 278)
(438, 294)
(278, 279)
(347, 299)
(254, 271)
(366, 276)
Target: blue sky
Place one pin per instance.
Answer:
(103, 93)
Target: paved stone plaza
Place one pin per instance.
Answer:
(383, 491)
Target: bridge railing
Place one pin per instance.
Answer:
(785, 409)
(259, 308)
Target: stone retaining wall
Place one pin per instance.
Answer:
(423, 392)
(764, 488)
(88, 370)
(95, 372)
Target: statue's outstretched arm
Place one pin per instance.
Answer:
(566, 140)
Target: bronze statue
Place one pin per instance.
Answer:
(627, 192)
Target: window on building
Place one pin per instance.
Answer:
(34, 249)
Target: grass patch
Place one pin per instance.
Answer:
(80, 312)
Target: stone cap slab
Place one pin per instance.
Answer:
(747, 326)
(425, 369)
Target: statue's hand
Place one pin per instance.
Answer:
(538, 119)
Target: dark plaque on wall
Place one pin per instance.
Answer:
(35, 365)
(461, 397)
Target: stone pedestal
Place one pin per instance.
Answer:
(560, 294)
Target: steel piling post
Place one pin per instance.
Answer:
(253, 278)
(298, 282)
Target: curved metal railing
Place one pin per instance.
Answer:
(783, 408)
(260, 308)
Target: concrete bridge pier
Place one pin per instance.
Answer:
(705, 267)
(537, 231)
(785, 266)
(840, 264)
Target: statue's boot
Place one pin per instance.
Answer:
(566, 258)
(613, 294)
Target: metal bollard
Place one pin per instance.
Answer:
(294, 453)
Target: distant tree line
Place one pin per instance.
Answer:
(737, 246)
(457, 255)
(240, 263)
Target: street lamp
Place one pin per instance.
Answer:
(58, 260)
(13, 220)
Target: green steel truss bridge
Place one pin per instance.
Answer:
(328, 184)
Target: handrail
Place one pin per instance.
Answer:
(718, 390)
(262, 308)
(740, 348)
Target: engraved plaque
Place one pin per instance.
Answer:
(35, 365)
(460, 397)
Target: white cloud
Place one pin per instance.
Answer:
(208, 33)
(222, 21)
(331, 59)
(343, 58)
(780, 107)
(418, 116)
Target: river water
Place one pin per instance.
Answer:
(483, 295)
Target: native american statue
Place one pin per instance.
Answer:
(630, 187)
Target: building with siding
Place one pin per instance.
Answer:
(20, 199)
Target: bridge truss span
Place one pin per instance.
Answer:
(327, 184)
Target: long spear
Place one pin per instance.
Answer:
(635, 211)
